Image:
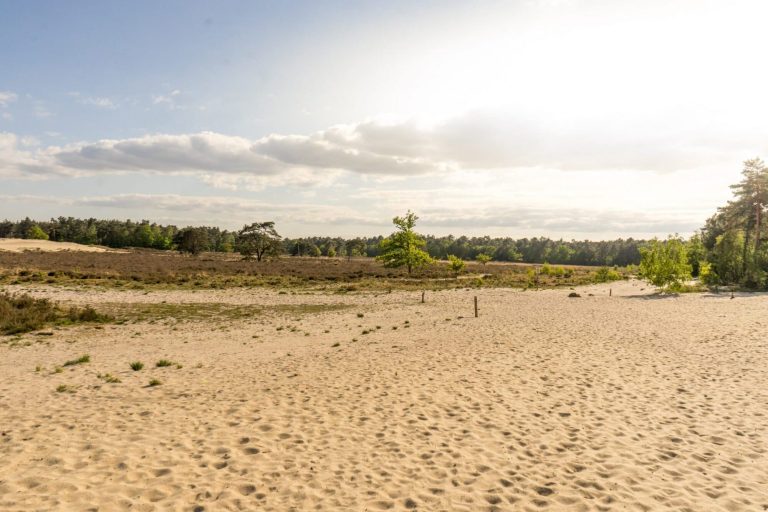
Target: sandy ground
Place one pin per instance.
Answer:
(629, 402)
(21, 245)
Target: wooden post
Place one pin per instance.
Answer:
(475, 306)
(610, 292)
(422, 296)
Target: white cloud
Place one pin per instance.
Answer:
(473, 143)
(7, 97)
(99, 102)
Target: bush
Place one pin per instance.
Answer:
(23, 313)
(665, 263)
(456, 264)
(606, 274)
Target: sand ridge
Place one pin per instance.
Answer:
(21, 245)
(630, 402)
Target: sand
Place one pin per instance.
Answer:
(21, 245)
(630, 402)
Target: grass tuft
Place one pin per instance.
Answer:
(137, 365)
(164, 363)
(109, 378)
(80, 360)
(154, 382)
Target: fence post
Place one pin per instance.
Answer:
(422, 296)
(475, 306)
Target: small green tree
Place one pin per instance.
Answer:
(404, 247)
(483, 258)
(259, 239)
(664, 263)
(36, 233)
(456, 264)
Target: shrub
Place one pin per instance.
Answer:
(456, 264)
(163, 363)
(137, 365)
(665, 263)
(606, 274)
(483, 258)
(154, 382)
(24, 313)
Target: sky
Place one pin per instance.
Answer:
(581, 119)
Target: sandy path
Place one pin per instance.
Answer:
(542, 403)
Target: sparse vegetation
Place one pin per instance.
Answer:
(137, 365)
(109, 378)
(23, 313)
(64, 388)
(85, 358)
(163, 363)
(154, 382)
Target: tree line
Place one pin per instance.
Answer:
(146, 234)
(728, 250)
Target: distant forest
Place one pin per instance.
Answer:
(144, 234)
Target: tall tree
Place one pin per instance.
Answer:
(259, 239)
(192, 240)
(404, 247)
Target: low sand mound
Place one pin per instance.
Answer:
(21, 245)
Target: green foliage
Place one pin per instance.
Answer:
(259, 239)
(707, 274)
(137, 365)
(191, 240)
(404, 247)
(665, 263)
(456, 264)
(727, 257)
(607, 274)
(164, 363)
(549, 270)
(36, 233)
(483, 258)
(697, 254)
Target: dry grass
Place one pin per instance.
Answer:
(155, 269)
(23, 313)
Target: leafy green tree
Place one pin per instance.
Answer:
(664, 263)
(404, 247)
(456, 264)
(483, 258)
(697, 254)
(726, 257)
(259, 239)
(355, 247)
(36, 233)
(192, 240)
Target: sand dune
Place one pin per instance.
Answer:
(21, 245)
(629, 402)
